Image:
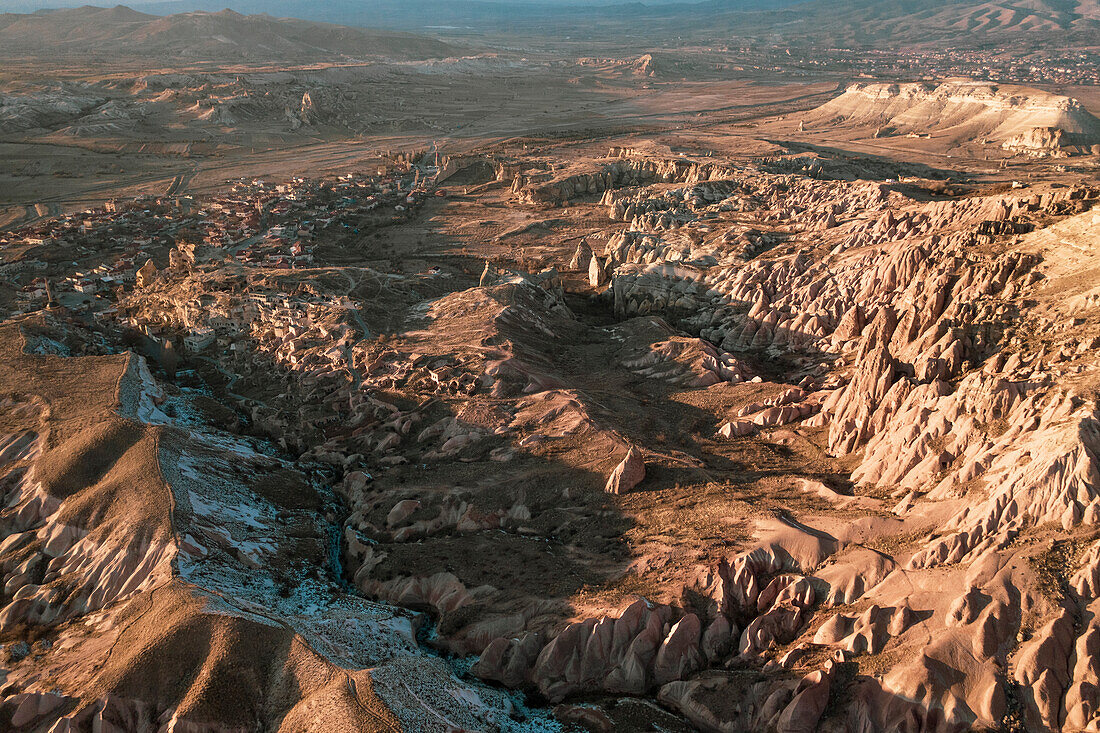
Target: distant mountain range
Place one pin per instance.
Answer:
(967, 22)
(200, 36)
(819, 22)
(487, 15)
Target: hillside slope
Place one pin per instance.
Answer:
(187, 573)
(959, 112)
(212, 37)
(923, 21)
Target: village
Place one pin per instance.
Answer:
(1004, 65)
(1000, 64)
(97, 260)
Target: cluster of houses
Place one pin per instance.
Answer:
(998, 64)
(81, 260)
(272, 337)
(995, 65)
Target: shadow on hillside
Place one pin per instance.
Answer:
(525, 540)
(838, 164)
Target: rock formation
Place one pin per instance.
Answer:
(628, 474)
(1018, 118)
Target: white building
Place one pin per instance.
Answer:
(199, 339)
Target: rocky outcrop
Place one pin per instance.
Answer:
(560, 189)
(169, 538)
(582, 258)
(630, 654)
(146, 274)
(720, 703)
(628, 474)
(956, 109)
(1039, 142)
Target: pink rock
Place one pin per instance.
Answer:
(717, 640)
(679, 653)
(736, 428)
(33, 705)
(628, 474)
(777, 626)
(508, 660)
(811, 697)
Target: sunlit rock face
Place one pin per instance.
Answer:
(1017, 118)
